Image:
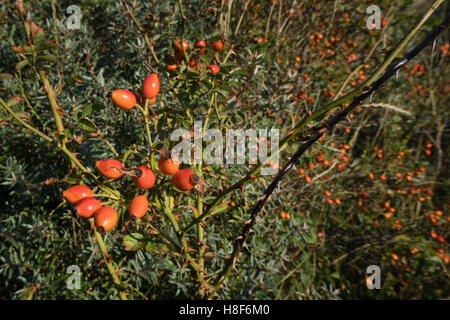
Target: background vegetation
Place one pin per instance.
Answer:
(374, 191)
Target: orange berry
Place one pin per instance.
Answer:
(214, 69)
(109, 168)
(364, 195)
(124, 99)
(86, 207)
(150, 86)
(200, 44)
(177, 45)
(138, 206)
(168, 165)
(105, 218)
(216, 46)
(146, 180)
(76, 193)
(185, 179)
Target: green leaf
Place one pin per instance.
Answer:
(22, 64)
(29, 293)
(4, 76)
(126, 155)
(68, 133)
(187, 124)
(39, 37)
(219, 208)
(402, 237)
(239, 72)
(45, 45)
(156, 247)
(14, 101)
(86, 125)
(133, 242)
(310, 236)
(86, 110)
(75, 78)
(48, 57)
(100, 78)
(335, 275)
(28, 49)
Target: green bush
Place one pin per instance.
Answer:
(376, 196)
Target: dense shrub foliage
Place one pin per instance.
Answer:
(374, 191)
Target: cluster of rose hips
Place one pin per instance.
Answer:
(105, 218)
(173, 61)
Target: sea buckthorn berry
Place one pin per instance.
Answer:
(214, 69)
(124, 99)
(86, 207)
(168, 163)
(185, 179)
(171, 63)
(109, 168)
(138, 206)
(216, 46)
(76, 193)
(194, 62)
(171, 68)
(150, 86)
(146, 178)
(201, 45)
(177, 45)
(105, 218)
